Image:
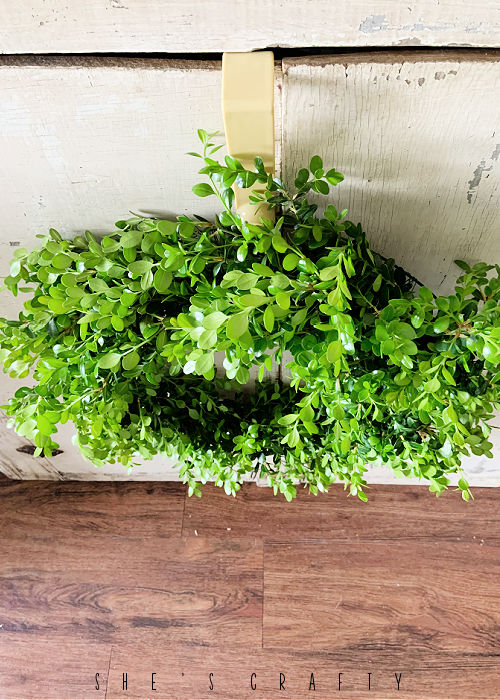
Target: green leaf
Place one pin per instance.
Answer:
(127, 298)
(289, 419)
(279, 244)
(334, 178)
(320, 186)
(44, 425)
(447, 449)
(147, 280)
(432, 385)
(131, 239)
(315, 164)
(205, 363)
(140, 267)
(253, 300)
(381, 332)
(167, 228)
(262, 270)
(425, 294)
(269, 319)
(162, 280)
(302, 177)
(448, 376)
(290, 261)
(441, 324)
(328, 273)
(377, 283)
(345, 445)
(417, 319)
(214, 320)
(96, 284)
(130, 360)
(109, 360)
(334, 351)
(61, 261)
(203, 190)
(207, 339)
(306, 414)
(237, 325)
(283, 300)
(246, 280)
(117, 323)
(233, 163)
(242, 375)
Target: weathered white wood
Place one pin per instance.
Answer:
(89, 140)
(19, 465)
(85, 142)
(193, 26)
(417, 137)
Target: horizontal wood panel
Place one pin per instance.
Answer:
(417, 137)
(90, 140)
(405, 513)
(86, 598)
(44, 669)
(119, 508)
(121, 590)
(211, 25)
(372, 598)
(184, 673)
(39, 669)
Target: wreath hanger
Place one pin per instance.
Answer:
(248, 111)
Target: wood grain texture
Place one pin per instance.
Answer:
(183, 673)
(379, 596)
(34, 26)
(120, 509)
(38, 669)
(417, 137)
(407, 513)
(124, 590)
(86, 590)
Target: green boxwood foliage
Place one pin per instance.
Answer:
(121, 335)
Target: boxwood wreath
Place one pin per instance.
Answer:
(121, 335)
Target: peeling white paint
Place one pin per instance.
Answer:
(194, 26)
(374, 23)
(481, 168)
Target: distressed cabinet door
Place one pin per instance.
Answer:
(417, 136)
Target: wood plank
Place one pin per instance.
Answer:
(98, 588)
(90, 140)
(187, 607)
(119, 509)
(184, 672)
(17, 464)
(39, 668)
(371, 598)
(416, 136)
(210, 25)
(404, 513)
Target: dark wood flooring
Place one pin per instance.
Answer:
(138, 579)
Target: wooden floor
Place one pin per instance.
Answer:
(138, 579)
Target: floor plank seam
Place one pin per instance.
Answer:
(109, 671)
(263, 598)
(183, 511)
